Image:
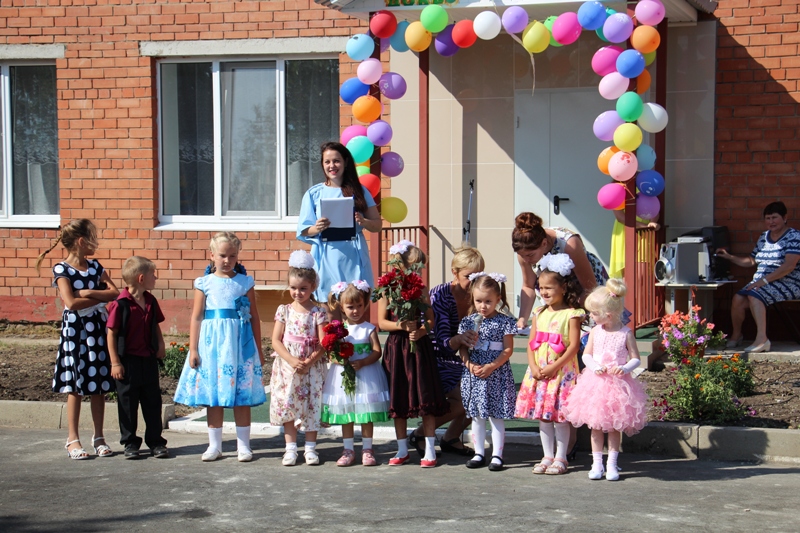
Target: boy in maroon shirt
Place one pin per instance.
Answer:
(135, 345)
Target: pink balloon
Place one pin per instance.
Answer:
(613, 85)
(649, 12)
(622, 166)
(352, 131)
(611, 196)
(604, 61)
(566, 28)
(370, 70)
(647, 207)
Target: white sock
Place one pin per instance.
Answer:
(547, 434)
(366, 443)
(430, 451)
(479, 435)
(498, 438)
(562, 440)
(402, 448)
(612, 459)
(291, 447)
(311, 446)
(215, 439)
(597, 459)
(243, 438)
(349, 444)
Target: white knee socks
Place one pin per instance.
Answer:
(562, 440)
(479, 435)
(498, 438)
(547, 434)
(215, 439)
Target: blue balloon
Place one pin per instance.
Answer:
(630, 63)
(360, 47)
(398, 38)
(646, 157)
(352, 89)
(650, 183)
(592, 15)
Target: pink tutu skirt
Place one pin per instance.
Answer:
(608, 403)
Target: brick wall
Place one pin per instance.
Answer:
(757, 142)
(108, 146)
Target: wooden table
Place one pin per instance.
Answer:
(703, 296)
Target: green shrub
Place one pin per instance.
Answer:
(174, 360)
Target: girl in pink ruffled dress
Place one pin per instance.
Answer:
(607, 398)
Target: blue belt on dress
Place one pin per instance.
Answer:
(221, 313)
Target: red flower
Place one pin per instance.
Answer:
(346, 349)
(329, 341)
(387, 279)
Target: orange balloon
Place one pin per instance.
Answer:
(605, 157)
(367, 109)
(643, 82)
(372, 183)
(645, 39)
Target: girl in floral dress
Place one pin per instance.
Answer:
(223, 368)
(298, 372)
(552, 360)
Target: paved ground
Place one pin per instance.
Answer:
(42, 490)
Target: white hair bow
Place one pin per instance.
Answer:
(400, 247)
(559, 263)
(301, 259)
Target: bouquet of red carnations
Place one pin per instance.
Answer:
(340, 352)
(403, 289)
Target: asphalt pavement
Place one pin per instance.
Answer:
(44, 491)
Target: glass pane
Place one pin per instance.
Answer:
(34, 140)
(312, 118)
(187, 118)
(249, 138)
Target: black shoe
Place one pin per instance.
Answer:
(476, 462)
(494, 467)
(160, 452)
(131, 452)
(447, 447)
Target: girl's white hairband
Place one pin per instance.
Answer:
(400, 247)
(360, 284)
(499, 278)
(301, 259)
(559, 263)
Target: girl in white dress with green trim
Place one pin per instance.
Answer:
(370, 402)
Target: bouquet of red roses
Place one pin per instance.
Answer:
(340, 352)
(403, 289)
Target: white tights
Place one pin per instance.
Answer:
(554, 433)
(498, 436)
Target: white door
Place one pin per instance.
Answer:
(555, 153)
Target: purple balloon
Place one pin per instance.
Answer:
(392, 85)
(384, 44)
(605, 125)
(617, 28)
(515, 19)
(391, 164)
(647, 207)
(444, 42)
(380, 133)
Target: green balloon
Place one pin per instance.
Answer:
(434, 18)
(361, 170)
(548, 23)
(360, 148)
(629, 106)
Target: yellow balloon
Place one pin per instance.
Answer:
(417, 37)
(628, 137)
(393, 210)
(536, 37)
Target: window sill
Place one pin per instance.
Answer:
(37, 222)
(259, 226)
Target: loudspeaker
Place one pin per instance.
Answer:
(678, 262)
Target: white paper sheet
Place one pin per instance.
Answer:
(339, 211)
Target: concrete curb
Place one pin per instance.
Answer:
(669, 439)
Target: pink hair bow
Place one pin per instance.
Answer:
(553, 339)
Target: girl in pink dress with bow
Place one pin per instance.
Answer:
(607, 398)
(552, 360)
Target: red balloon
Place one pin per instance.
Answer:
(372, 183)
(463, 34)
(383, 24)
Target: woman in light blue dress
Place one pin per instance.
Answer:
(339, 256)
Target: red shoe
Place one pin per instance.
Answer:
(397, 461)
(347, 458)
(427, 464)
(368, 458)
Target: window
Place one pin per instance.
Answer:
(240, 139)
(29, 152)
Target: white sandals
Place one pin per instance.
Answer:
(103, 450)
(75, 453)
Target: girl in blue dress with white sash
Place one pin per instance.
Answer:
(339, 255)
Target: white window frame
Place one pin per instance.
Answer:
(7, 218)
(280, 222)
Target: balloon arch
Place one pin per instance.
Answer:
(624, 79)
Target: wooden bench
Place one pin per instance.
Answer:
(268, 298)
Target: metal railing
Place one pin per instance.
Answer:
(649, 298)
(391, 235)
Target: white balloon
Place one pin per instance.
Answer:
(613, 85)
(487, 25)
(653, 118)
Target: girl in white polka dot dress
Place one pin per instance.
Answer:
(83, 366)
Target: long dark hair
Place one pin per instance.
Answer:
(351, 187)
(528, 233)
